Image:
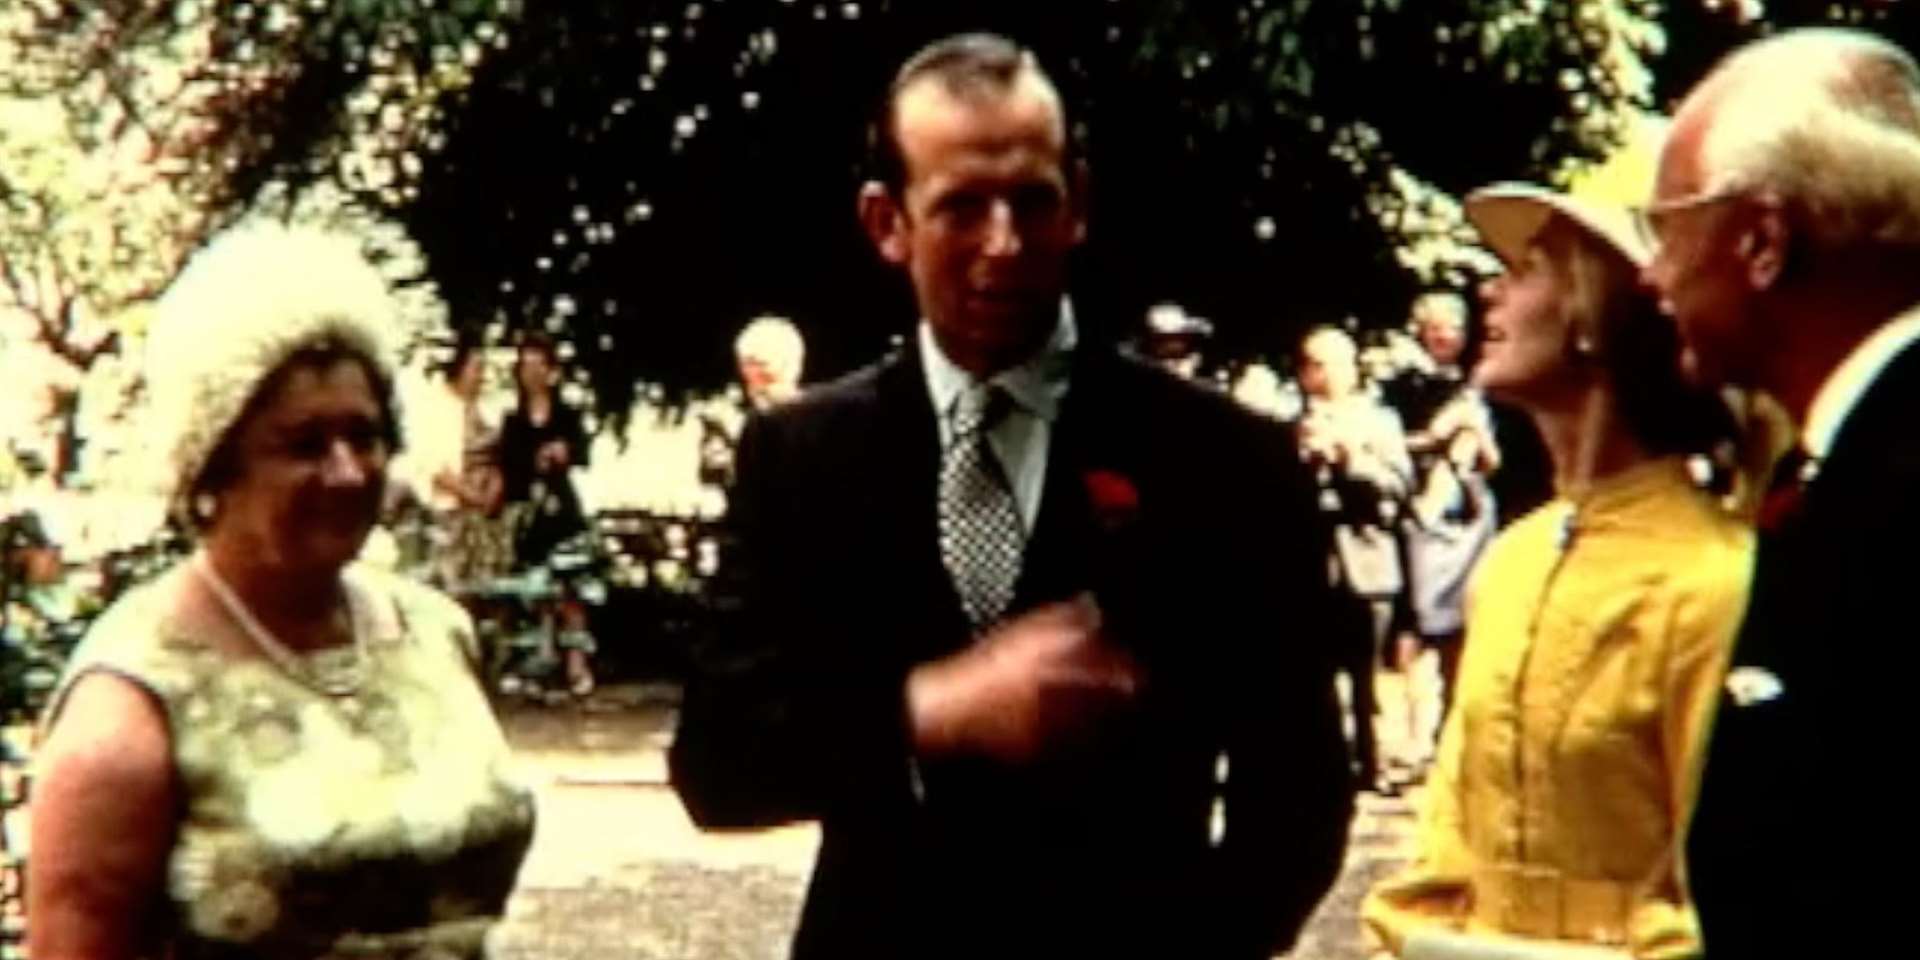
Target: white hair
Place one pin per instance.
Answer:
(1827, 119)
(1442, 304)
(244, 305)
(774, 341)
(1325, 337)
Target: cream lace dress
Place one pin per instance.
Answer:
(381, 823)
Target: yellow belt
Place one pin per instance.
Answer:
(1539, 901)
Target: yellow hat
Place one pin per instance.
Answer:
(1600, 198)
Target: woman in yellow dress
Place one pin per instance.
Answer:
(1598, 626)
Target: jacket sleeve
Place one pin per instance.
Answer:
(780, 722)
(1288, 795)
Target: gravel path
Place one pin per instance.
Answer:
(617, 870)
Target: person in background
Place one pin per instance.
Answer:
(771, 356)
(1787, 219)
(541, 441)
(1357, 451)
(1175, 340)
(1452, 514)
(453, 464)
(1598, 625)
(266, 751)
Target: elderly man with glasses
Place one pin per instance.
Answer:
(1787, 218)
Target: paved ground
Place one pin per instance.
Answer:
(617, 870)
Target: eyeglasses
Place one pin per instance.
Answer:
(1649, 221)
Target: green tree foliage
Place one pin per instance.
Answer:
(641, 176)
(138, 126)
(1269, 163)
(131, 130)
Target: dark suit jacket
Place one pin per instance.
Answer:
(1219, 586)
(1790, 841)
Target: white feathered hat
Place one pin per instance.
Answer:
(243, 305)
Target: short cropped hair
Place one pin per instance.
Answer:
(967, 66)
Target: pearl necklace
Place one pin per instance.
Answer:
(336, 684)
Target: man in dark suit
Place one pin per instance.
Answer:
(1036, 633)
(1787, 210)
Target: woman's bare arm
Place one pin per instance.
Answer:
(105, 805)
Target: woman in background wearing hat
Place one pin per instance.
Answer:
(1598, 626)
(267, 751)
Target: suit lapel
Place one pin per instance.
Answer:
(1861, 452)
(1059, 559)
(1053, 566)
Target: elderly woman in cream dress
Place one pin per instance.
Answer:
(268, 751)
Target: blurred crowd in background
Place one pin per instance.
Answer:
(536, 525)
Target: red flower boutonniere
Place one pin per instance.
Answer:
(1114, 499)
(1118, 555)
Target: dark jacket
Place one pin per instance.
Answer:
(1788, 852)
(1219, 584)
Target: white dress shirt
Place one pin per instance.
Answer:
(1036, 386)
(1852, 378)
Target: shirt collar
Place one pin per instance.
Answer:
(1850, 381)
(1037, 384)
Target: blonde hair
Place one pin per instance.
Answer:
(1630, 343)
(1597, 279)
(1829, 120)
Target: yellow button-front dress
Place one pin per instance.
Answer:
(1598, 631)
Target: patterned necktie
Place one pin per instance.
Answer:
(981, 536)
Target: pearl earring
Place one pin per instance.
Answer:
(204, 506)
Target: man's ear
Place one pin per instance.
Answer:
(1080, 198)
(884, 221)
(1764, 244)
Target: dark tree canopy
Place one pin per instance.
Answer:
(642, 177)
(647, 176)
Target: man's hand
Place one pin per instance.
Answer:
(1034, 682)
